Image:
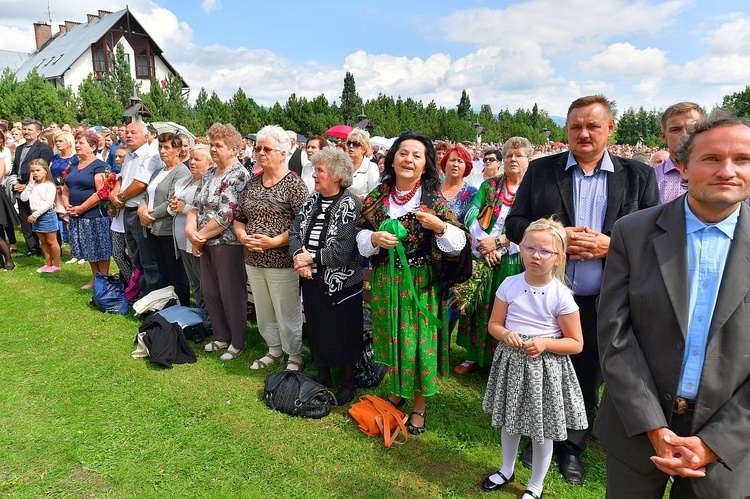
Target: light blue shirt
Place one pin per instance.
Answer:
(590, 208)
(707, 250)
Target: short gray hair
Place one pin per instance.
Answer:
(277, 134)
(339, 164)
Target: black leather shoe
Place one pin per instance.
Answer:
(32, 253)
(527, 494)
(572, 469)
(490, 486)
(344, 396)
(527, 455)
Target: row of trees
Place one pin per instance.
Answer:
(103, 101)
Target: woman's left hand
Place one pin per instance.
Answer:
(431, 222)
(534, 347)
(31, 219)
(304, 272)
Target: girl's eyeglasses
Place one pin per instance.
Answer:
(543, 252)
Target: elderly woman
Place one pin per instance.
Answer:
(89, 235)
(209, 230)
(155, 218)
(456, 164)
(366, 174)
(265, 213)
(179, 206)
(496, 257)
(322, 242)
(314, 144)
(410, 331)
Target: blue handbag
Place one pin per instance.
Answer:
(109, 294)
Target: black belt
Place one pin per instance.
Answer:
(131, 208)
(682, 406)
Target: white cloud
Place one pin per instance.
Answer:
(730, 37)
(210, 5)
(625, 60)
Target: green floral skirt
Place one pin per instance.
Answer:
(472, 323)
(418, 353)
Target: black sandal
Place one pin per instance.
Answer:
(489, 486)
(417, 430)
(398, 405)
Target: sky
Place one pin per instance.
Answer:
(506, 54)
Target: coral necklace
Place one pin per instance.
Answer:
(402, 199)
(507, 196)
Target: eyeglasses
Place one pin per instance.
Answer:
(265, 149)
(543, 252)
(516, 156)
(489, 160)
(353, 143)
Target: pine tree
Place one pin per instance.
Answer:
(351, 102)
(464, 106)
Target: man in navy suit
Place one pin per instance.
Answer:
(586, 189)
(31, 149)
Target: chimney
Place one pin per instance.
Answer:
(103, 13)
(91, 17)
(62, 28)
(70, 25)
(42, 33)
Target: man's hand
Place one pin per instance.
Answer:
(586, 244)
(682, 456)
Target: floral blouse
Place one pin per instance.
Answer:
(460, 202)
(217, 197)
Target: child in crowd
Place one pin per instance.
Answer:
(40, 193)
(532, 387)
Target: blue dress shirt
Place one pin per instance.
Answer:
(707, 248)
(590, 208)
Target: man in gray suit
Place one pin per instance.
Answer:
(674, 343)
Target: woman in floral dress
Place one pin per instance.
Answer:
(406, 218)
(496, 257)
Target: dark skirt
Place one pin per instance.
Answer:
(335, 333)
(8, 214)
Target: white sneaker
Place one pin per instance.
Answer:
(82, 262)
(72, 260)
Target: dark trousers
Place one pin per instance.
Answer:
(225, 291)
(9, 232)
(141, 254)
(588, 372)
(170, 267)
(32, 242)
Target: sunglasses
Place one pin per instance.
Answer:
(353, 143)
(489, 160)
(265, 149)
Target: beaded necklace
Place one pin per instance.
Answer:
(402, 199)
(507, 196)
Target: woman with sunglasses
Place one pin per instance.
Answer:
(495, 256)
(265, 213)
(366, 174)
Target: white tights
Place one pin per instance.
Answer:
(539, 465)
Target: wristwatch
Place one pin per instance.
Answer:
(498, 242)
(120, 198)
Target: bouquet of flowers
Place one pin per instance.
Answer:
(110, 179)
(63, 176)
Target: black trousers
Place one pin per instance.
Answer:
(170, 267)
(32, 242)
(588, 372)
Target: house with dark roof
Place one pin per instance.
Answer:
(67, 57)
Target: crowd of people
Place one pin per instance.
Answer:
(587, 265)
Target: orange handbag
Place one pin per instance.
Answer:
(376, 416)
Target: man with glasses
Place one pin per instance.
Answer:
(586, 189)
(31, 149)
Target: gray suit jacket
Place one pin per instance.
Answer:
(643, 318)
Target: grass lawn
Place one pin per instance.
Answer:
(81, 418)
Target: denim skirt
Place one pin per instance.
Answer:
(47, 222)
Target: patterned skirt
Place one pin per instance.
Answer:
(418, 354)
(90, 238)
(472, 325)
(537, 397)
